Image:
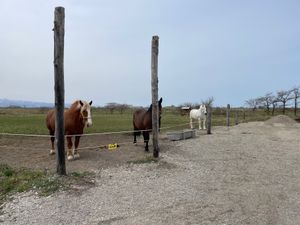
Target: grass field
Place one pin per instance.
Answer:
(32, 121)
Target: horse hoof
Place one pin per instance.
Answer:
(70, 157)
(52, 152)
(76, 156)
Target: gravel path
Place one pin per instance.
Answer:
(247, 174)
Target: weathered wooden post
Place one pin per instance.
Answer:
(228, 115)
(154, 90)
(59, 33)
(209, 109)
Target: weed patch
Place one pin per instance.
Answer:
(44, 183)
(147, 159)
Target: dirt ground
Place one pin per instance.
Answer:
(247, 174)
(33, 152)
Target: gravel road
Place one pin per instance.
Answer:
(247, 174)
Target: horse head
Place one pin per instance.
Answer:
(159, 110)
(202, 109)
(86, 112)
(159, 107)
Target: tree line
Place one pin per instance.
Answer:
(280, 99)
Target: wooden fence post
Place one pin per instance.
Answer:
(59, 33)
(228, 115)
(209, 109)
(154, 90)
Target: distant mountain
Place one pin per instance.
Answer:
(24, 104)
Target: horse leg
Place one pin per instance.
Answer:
(76, 154)
(146, 140)
(52, 138)
(191, 123)
(69, 151)
(200, 125)
(134, 137)
(204, 123)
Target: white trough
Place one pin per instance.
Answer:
(181, 135)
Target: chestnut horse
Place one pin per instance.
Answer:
(142, 122)
(75, 118)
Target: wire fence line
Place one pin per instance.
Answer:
(97, 147)
(91, 134)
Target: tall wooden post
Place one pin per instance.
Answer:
(228, 115)
(154, 90)
(59, 33)
(209, 109)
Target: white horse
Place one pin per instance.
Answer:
(199, 114)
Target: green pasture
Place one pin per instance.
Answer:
(32, 121)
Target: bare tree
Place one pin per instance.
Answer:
(284, 97)
(122, 107)
(260, 102)
(252, 103)
(274, 103)
(209, 101)
(111, 107)
(296, 92)
(265, 101)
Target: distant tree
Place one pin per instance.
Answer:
(15, 107)
(265, 101)
(209, 101)
(274, 103)
(111, 106)
(252, 103)
(260, 102)
(284, 97)
(296, 92)
(122, 107)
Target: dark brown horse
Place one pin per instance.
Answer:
(75, 118)
(142, 122)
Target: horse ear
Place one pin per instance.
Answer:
(81, 103)
(160, 100)
(91, 102)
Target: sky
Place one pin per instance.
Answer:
(232, 50)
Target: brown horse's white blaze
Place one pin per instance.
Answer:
(76, 118)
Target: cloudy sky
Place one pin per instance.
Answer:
(232, 50)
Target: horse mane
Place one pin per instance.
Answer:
(150, 108)
(74, 105)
